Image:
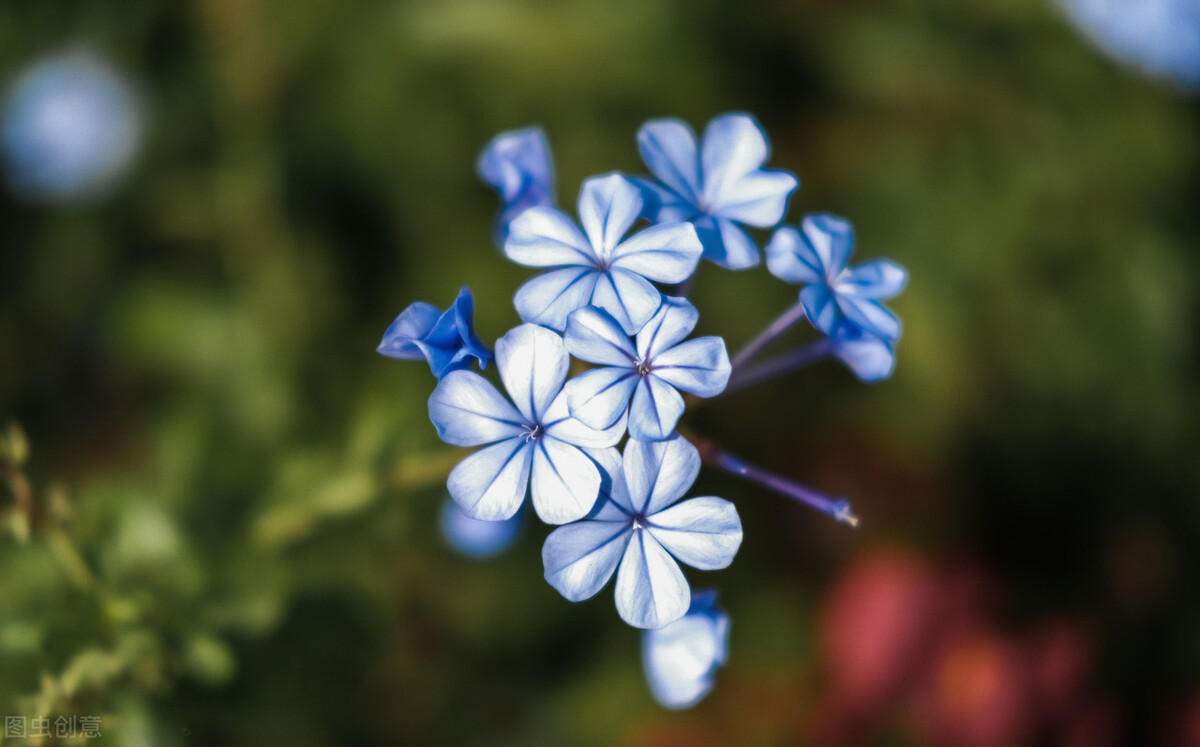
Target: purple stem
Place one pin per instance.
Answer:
(776, 328)
(779, 365)
(718, 457)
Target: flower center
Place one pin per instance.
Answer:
(639, 521)
(643, 368)
(533, 432)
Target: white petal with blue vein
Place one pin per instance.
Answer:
(533, 365)
(549, 298)
(658, 473)
(700, 367)
(543, 236)
(564, 482)
(651, 590)
(704, 533)
(580, 558)
(655, 409)
(468, 411)
(491, 483)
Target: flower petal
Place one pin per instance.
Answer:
(616, 505)
(630, 298)
(468, 411)
(668, 148)
(879, 279)
(654, 410)
(413, 323)
(608, 206)
(704, 532)
(598, 398)
(726, 244)
(791, 259)
(559, 424)
(651, 590)
(658, 473)
(533, 365)
(759, 198)
(666, 253)
(543, 236)
(700, 367)
(580, 558)
(548, 299)
(661, 204)
(565, 482)
(680, 659)
(490, 484)
(831, 239)
(673, 321)
(514, 162)
(734, 145)
(870, 358)
(464, 320)
(870, 316)
(821, 308)
(594, 336)
(475, 538)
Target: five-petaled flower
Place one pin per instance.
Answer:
(634, 526)
(535, 447)
(719, 187)
(518, 165)
(680, 659)
(446, 340)
(652, 373)
(837, 299)
(598, 268)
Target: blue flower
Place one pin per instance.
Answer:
(652, 373)
(71, 127)
(535, 447)
(518, 165)
(1162, 37)
(445, 339)
(473, 537)
(719, 187)
(870, 358)
(634, 526)
(836, 298)
(600, 268)
(680, 659)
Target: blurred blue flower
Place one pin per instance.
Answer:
(446, 339)
(870, 358)
(71, 127)
(680, 659)
(1162, 37)
(518, 165)
(634, 526)
(535, 447)
(473, 537)
(652, 374)
(600, 268)
(836, 298)
(717, 188)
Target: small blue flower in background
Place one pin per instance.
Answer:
(635, 532)
(535, 447)
(837, 299)
(870, 358)
(71, 128)
(652, 374)
(446, 339)
(717, 187)
(681, 659)
(1162, 37)
(600, 268)
(518, 165)
(473, 537)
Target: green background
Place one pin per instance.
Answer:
(235, 536)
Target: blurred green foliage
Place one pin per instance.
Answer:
(226, 531)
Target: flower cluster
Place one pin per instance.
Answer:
(599, 454)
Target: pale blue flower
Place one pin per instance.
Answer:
(870, 358)
(535, 446)
(1162, 37)
(518, 165)
(446, 339)
(681, 659)
(652, 373)
(597, 266)
(719, 186)
(635, 527)
(476, 538)
(72, 125)
(837, 299)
